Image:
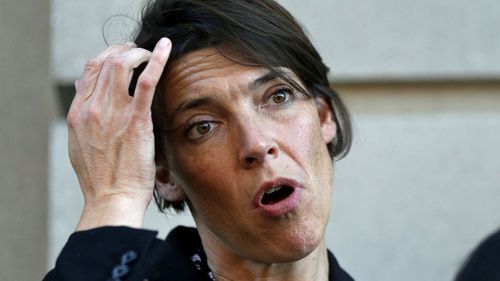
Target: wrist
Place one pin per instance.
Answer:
(113, 210)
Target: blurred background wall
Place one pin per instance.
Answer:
(26, 111)
(422, 78)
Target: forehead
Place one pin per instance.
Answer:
(207, 66)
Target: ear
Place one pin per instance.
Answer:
(328, 125)
(166, 187)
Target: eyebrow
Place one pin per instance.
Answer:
(193, 103)
(269, 76)
(204, 101)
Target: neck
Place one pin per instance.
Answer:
(313, 267)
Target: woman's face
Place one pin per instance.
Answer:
(249, 153)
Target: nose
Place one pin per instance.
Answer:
(257, 144)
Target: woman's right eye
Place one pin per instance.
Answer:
(200, 129)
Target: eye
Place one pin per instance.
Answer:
(281, 96)
(200, 129)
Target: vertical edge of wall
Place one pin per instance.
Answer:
(26, 110)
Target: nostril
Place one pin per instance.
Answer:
(272, 151)
(249, 160)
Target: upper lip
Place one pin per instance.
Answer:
(270, 184)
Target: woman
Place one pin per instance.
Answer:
(240, 125)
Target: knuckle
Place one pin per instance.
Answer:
(81, 85)
(146, 82)
(92, 65)
(72, 117)
(93, 113)
(154, 59)
(109, 60)
(116, 62)
(157, 60)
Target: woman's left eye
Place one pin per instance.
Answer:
(281, 96)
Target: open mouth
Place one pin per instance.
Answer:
(278, 197)
(276, 194)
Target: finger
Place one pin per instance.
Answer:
(109, 63)
(123, 67)
(86, 84)
(147, 81)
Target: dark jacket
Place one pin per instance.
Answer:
(127, 254)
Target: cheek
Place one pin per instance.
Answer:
(201, 173)
(305, 144)
(195, 169)
(191, 166)
(302, 138)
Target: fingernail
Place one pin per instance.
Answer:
(163, 43)
(131, 44)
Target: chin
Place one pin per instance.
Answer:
(296, 245)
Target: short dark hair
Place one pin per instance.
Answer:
(483, 264)
(249, 32)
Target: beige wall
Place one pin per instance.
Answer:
(26, 108)
(421, 186)
(422, 97)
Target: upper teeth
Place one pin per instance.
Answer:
(273, 189)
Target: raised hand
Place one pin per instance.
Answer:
(111, 141)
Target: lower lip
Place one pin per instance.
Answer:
(282, 207)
